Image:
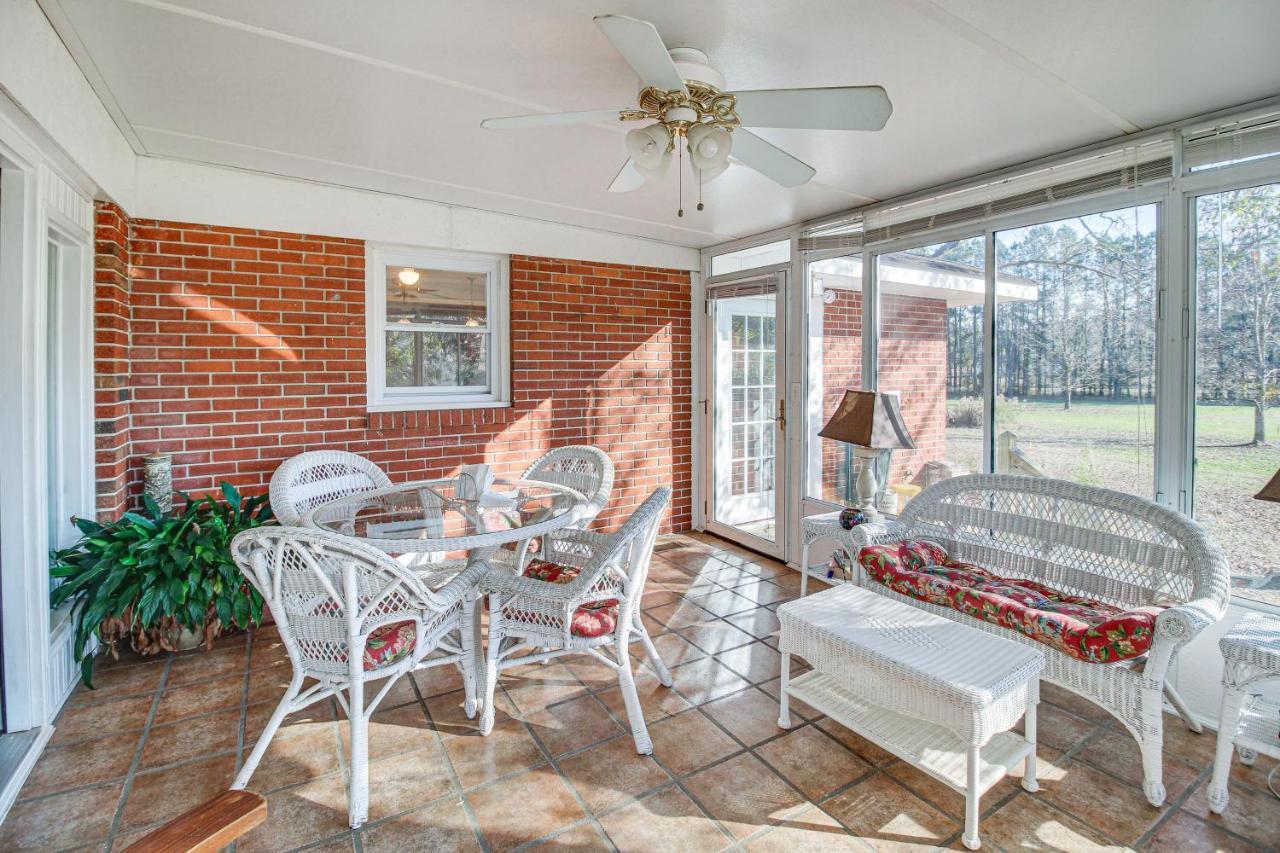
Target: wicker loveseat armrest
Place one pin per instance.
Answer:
(1181, 622)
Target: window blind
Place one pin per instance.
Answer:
(755, 287)
(1221, 146)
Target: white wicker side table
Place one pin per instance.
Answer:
(1250, 725)
(939, 695)
(827, 525)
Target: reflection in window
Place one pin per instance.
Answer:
(834, 365)
(1238, 380)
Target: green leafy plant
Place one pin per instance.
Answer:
(150, 575)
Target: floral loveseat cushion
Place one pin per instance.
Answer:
(1084, 629)
(590, 620)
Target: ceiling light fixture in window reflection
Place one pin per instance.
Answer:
(408, 277)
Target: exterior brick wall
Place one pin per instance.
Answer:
(235, 349)
(841, 371)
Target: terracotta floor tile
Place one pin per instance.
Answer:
(393, 731)
(808, 831)
(1060, 730)
(723, 603)
(673, 650)
(1253, 774)
(679, 615)
(656, 701)
(714, 636)
(764, 592)
(797, 708)
(532, 688)
(888, 816)
(1117, 752)
(612, 773)
(813, 762)
(160, 795)
(704, 680)
(689, 741)
(449, 716)
(86, 763)
(437, 680)
(298, 753)
(1182, 833)
(407, 780)
(574, 724)
(667, 822)
(656, 596)
(744, 794)
(507, 749)
(119, 681)
(299, 816)
(191, 738)
(761, 622)
(442, 827)
(1120, 811)
(860, 746)
(1025, 823)
(522, 808)
(751, 716)
(256, 717)
(579, 836)
(1181, 742)
(188, 700)
(1074, 702)
(99, 720)
(1253, 813)
(61, 821)
(756, 662)
(205, 666)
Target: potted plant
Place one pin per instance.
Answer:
(150, 576)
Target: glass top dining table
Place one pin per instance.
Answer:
(432, 516)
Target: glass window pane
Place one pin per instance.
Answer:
(931, 305)
(436, 297)
(436, 359)
(1075, 358)
(1237, 366)
(834, 350)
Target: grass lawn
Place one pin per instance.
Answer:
(1111, 445)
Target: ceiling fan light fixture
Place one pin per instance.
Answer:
(408, 276)
(650, 149)
(709, 149)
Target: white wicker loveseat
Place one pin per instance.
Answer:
(1085, 541)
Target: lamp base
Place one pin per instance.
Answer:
(867, 486)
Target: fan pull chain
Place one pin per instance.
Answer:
(699, 189)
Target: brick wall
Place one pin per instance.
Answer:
(236, 349)
(841, 371)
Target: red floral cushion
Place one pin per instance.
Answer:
(589, 620)
(388, 644)
(1080, 627)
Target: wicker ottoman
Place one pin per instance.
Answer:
(939, 695)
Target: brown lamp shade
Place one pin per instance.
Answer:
(869, 419)
(1271, 491)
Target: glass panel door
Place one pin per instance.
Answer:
(1237, 422)
(747, 415)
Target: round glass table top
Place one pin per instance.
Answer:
(435, 515)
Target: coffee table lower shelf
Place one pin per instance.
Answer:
(927, 746)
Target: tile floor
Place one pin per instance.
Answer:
(160, 736)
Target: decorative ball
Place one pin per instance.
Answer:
(851, 517)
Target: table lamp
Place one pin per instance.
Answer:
(871, 421)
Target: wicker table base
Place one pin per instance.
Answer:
(939, 695)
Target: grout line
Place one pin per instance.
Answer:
(137, 756)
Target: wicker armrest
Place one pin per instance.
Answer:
(1182, 622)
(462, 584)
(574, 547)
(510, 586)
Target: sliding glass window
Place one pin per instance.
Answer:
(834, 365)
(1075, 353)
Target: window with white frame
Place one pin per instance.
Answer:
(437, 329)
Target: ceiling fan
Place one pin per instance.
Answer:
(684, 97)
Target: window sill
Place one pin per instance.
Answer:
(441, 406)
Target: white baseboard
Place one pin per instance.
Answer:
(13, 783)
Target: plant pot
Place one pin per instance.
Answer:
(188, 640)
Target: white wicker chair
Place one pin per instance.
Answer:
(309, 479)
(329, 594)
(1112, 547)
(528, 612)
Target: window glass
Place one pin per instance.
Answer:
(930, 353)
(1237, 272)
(1075, 365)
(835, 365)
(435, 297)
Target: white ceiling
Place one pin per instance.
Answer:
(388, 96)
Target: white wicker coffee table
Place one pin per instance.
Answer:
(939, 695)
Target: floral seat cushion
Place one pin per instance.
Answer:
(590, 620)
(1080, 627)
(388, 644)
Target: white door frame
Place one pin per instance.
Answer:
(782, 460)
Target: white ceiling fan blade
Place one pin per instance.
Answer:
(627, 179)
(836, 108)
(770, 160)
(642, 48)
(549, 119)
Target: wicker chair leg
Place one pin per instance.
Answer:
(1152, 744)
(651, 652)
(467, 638)
(635, 713)
(264, 739)
(358, 798)
(491, 668)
